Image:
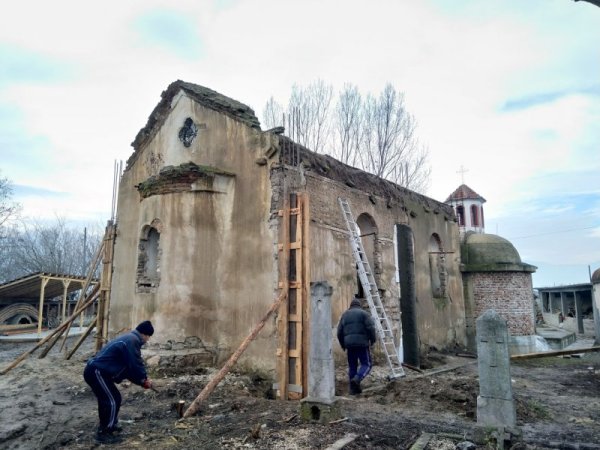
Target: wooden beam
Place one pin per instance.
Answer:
(282, 314)
(44, 281)
(64, 300)
(305, 225)
(212, 384)
(82, 337)
(554, 353)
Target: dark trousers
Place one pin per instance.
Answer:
(356, 354)
(109, 397)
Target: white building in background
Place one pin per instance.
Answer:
(468, 206)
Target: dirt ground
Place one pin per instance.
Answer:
(45, 404)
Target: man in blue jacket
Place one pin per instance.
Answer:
(355, 332)
(120, 359)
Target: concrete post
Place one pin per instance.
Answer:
(495, 405)
(596, 305)
(320, 405)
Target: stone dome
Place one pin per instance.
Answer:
(596, 276)
(489, 252)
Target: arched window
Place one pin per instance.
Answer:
(460, 213)
(437, 267)
(148, 269)
(474, 216)
(368, 233)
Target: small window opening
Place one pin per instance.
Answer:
(437, 268)
(148, 271)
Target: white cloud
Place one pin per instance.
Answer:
(459, 63)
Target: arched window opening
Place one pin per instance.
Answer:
(460, 213)
(368, 233)
(474, 215)
(437, 268)
(148, 269)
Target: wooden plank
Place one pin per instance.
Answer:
(554, 353)
(282, 363)
(305, 291)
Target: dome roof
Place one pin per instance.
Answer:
(489, 252)
(596, 276)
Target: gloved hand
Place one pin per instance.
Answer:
(147, 384)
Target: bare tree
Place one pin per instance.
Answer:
(273, 114)
(347, 123)
(309, 110)
(390, 148)
(39, 247)
(8, 208)
(376, 134)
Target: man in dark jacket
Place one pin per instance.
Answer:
(355, 332)
(120, 359)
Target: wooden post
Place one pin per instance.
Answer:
(305, 225)
(212, 384)
(282, 315)
(44, 281)
(64, 302)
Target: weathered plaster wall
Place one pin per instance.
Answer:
(440, 322)
(216, 248)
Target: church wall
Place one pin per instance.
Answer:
(440, 322)
(215, 248)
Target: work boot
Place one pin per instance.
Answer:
(107, 437)
(357, 387)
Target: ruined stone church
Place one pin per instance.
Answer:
(209, 204)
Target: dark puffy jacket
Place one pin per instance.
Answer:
(356, 328)
(122, 358)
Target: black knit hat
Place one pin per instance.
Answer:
(145, 328)
(355, 302)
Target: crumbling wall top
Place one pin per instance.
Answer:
(203, 95)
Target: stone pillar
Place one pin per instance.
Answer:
(596, 306)
(320, 405)
(495, 405)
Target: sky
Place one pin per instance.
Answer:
(509, 90)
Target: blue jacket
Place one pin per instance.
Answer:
(356, 328)
(122, 358)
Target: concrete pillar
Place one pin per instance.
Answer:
(596, 304)
(320, 405)
(495, 404)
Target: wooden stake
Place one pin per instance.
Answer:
(179, 407)
(212, 384)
